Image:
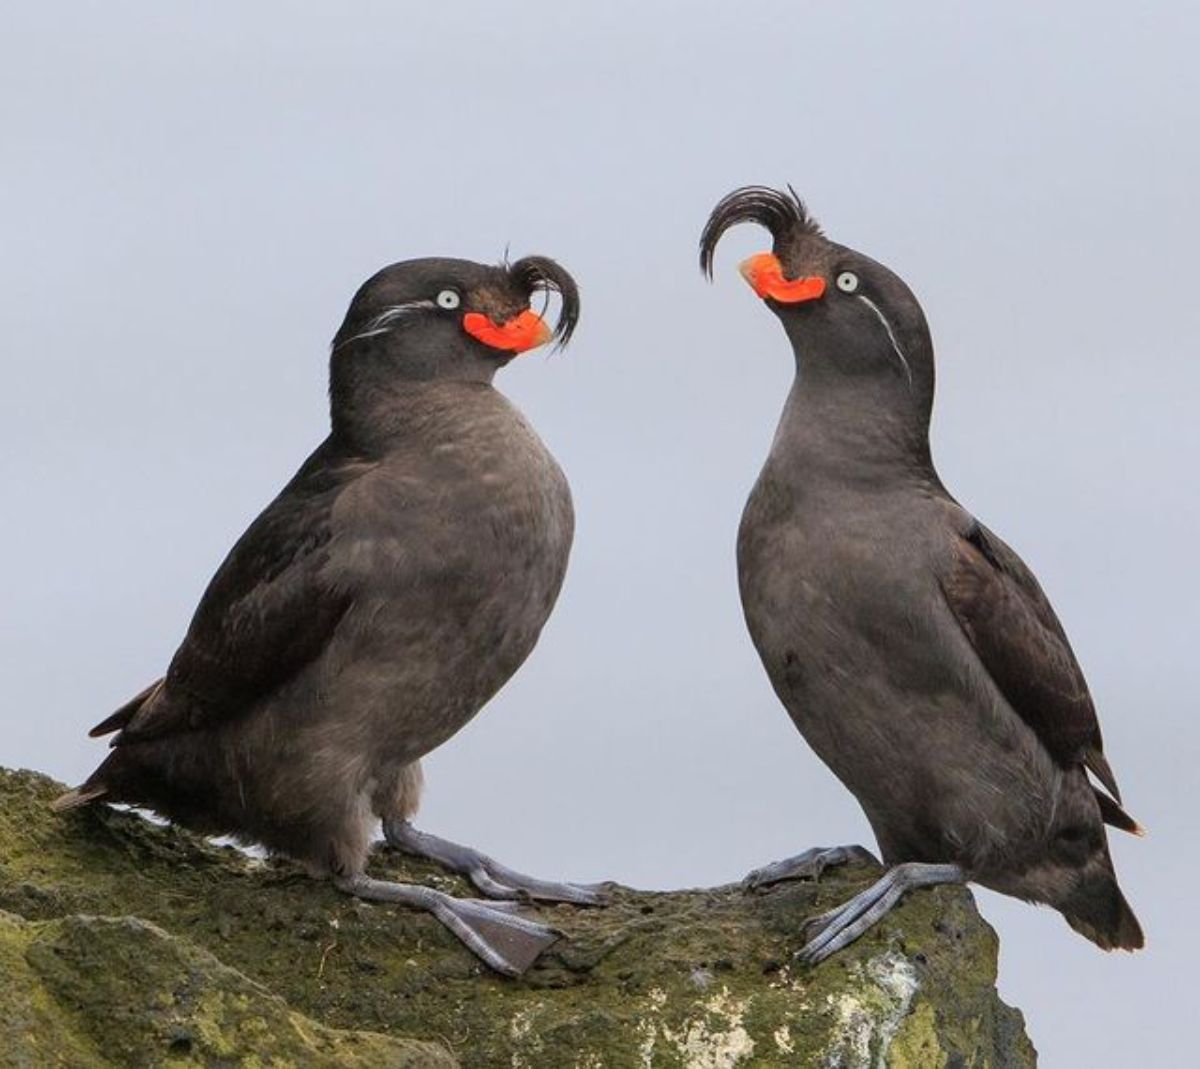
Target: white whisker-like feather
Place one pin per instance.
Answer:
(387, 319)
(891, 336)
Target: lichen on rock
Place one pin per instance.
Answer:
(129, 943)
(122, 991)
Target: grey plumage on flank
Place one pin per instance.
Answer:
(375, 606)
(913, 649)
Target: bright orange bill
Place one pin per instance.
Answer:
(764, 272)
(525, 331)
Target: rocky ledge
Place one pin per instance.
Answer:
(126, 943)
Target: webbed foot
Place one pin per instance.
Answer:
(839, 927)
(493, 879)
(806, 866)
(501, 939)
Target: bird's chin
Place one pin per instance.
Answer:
(804, 341)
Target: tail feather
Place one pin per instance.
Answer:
(1112, 814)
(1097, 910)
(80, 796)
(122, 716)
(1098, 764)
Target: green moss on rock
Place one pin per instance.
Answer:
(100, 991)
(129, 937)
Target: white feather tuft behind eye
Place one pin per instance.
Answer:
(891, 334)
(386, 321)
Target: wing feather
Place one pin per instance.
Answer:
(1009, 621)
(269, 611)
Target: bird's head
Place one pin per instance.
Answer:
(851, 321)
(451, 319)
(438, 320)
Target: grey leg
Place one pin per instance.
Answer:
(840, 927)
(507, 943)
(807, 866)
(493, 879)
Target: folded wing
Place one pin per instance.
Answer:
(269, 611)
(1016, 634)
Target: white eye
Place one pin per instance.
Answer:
(847, 282)
(448, 299)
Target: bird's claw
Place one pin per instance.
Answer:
(829, 932)
(493, 932)
(806, 866)
(512, 886)
(491, 879)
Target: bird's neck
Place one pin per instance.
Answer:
(861, 432)
(375, 422)
(391, 387)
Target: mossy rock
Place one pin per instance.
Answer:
(137, 944)
(119, 991)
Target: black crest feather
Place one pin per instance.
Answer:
(783, 214)
(532, 273)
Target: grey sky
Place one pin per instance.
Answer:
(191, 193)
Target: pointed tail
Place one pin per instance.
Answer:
(1114, 816)
(118, 720)
(80, 796)
(1097, 910)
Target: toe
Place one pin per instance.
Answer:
(779, 871)
(490, 887)
(569, 893)
(812, 954)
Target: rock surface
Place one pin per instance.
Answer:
(124, 943)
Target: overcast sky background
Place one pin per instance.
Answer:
(191, 193)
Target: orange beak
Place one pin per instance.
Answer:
(764, 272)
(525, 331)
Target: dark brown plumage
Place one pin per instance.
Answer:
(1018, 637)
(375, 606)
(912, 647)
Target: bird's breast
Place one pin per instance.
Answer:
(455, 554)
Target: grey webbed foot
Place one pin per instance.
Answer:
(807, 866)
(505, 942)
(839, 927)
(490, 877)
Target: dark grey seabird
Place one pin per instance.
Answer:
(393, 587)
(914, 650)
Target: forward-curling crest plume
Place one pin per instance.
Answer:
(540, 273)
(782, 214)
